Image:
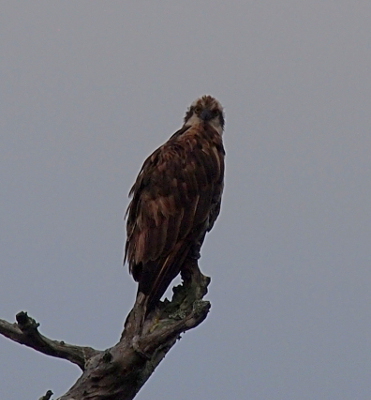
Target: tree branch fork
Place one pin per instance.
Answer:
(119, 372)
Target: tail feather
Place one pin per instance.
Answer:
(157, 276)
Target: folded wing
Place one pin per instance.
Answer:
(175, 201)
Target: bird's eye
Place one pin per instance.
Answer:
(197, 109)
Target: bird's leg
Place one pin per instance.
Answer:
(195, 251)
(194, 282)
(191, 273)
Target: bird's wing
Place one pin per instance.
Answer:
(173, 197)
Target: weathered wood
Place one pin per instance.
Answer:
(25, 331)
(119, 372)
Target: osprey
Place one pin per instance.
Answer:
(176, 200)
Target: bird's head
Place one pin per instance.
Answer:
(206, 109)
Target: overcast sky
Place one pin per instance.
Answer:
(90, 88)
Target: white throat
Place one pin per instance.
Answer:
(195, 120)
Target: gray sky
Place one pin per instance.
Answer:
(90, 88)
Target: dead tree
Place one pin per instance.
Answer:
(119, 372)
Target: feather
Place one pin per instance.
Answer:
(175, 200)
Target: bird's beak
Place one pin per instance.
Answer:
(206, 115)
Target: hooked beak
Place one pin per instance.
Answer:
(206, 115)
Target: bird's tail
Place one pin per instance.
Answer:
(157, 276)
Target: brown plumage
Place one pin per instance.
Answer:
(176, 200)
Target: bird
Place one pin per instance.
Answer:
(176, 200)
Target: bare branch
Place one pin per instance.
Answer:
(25, 331)
(47, 395)
(119, 372)
(168, 329)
